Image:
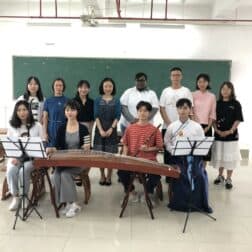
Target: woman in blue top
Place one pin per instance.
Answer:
(107, 112)
(53, 112)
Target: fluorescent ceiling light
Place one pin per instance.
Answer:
(102, 25)
(51, 23)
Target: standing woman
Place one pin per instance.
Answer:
(33, 94)
(22, 124)
(53, 112)
(71, 135)
(107, 112)
(226, 153)
(86, 114)
(204, 110)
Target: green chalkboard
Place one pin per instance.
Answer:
(121, 70)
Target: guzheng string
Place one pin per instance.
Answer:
(94, 153)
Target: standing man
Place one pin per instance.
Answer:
(169, 97)
(132, 96)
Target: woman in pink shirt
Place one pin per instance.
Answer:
(204, 108)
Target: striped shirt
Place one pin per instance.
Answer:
(137, 135)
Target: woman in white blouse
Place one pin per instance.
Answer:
(22, 124)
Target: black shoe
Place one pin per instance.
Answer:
(218, 180)
(228, 184)
(102, 183)
(208, 210)
(108, 183)
(78, 183)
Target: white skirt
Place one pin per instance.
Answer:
(225, 154)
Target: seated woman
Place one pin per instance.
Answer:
(71, 135)
(22, 124)
(189, 165)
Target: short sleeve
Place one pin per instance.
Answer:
(85, 135)
(10, 132)
(189, 95)
(162, 99)
(238, 112)
(45, 107)
(125, 97)
(154, 100)
(167, 138)
(96, 107)
(41, 107)
(40, 130)
(92, 110)
(213, 108)
(118, 109)
(159, 141)
(200, 131)
(125, 137)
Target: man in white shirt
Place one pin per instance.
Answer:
(183, 127)
(132, 96)
(193, 177)
(168, 99)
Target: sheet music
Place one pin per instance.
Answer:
(33, 146)
(183, 146)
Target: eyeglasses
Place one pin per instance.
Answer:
(141, 80)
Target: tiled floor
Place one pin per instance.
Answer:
(98, 227)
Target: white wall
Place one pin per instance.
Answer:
(193, 42)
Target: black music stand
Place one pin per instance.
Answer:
(24, 149)
(193, 146)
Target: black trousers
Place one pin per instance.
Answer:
(151, 180)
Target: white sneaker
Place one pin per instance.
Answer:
(14, 204)
(74, 208)
(134, 197)
(65, 209)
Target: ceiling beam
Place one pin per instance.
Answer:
(118, 8)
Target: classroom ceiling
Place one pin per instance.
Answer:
(133, 10)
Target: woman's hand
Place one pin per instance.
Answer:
(222, 133)
(50, 151)
(227, 133)
(102, 133)
(109, 132)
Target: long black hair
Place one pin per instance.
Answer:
(205, 77)
(230, 86)
(15, 121)
(39, 92)
(101, 90)
(80, 84)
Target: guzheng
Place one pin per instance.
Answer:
(81, 158)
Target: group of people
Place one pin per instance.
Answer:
(68, 124)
